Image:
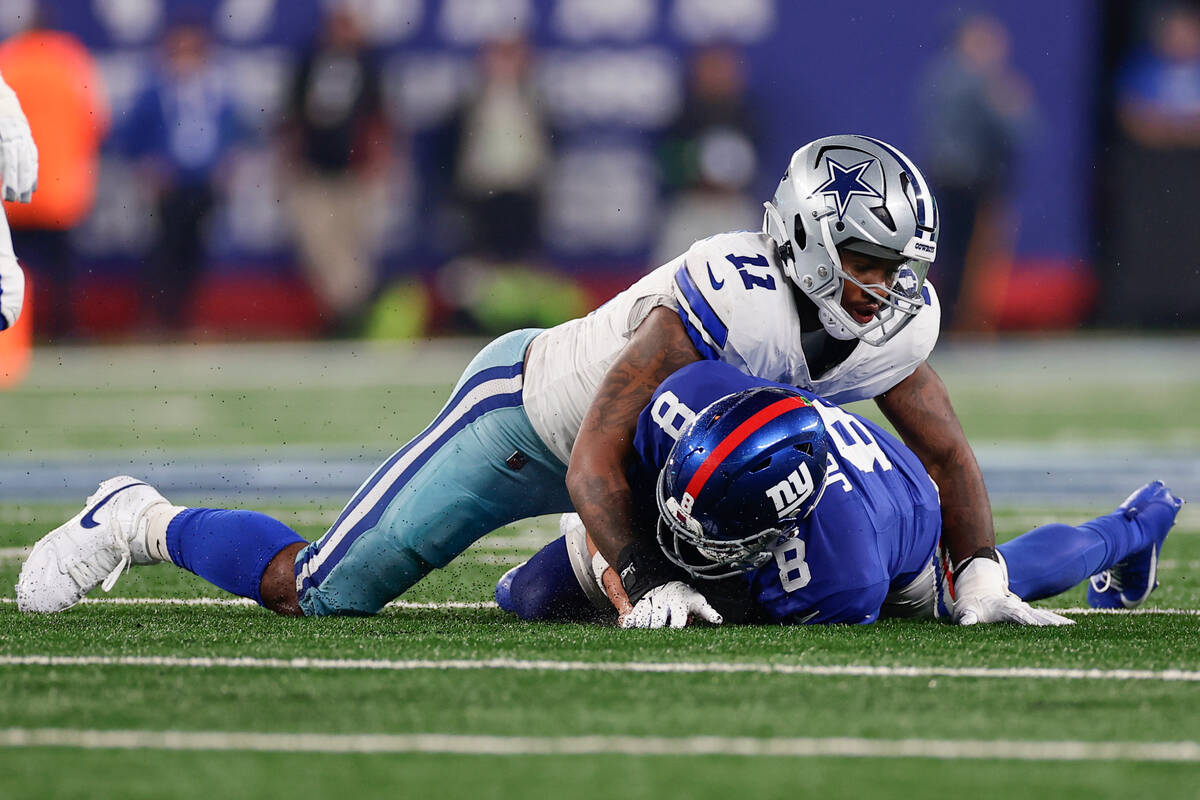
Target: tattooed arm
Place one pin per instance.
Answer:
(919, 407)
(596, 475)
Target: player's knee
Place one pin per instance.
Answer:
(545, 588)
(533, 598)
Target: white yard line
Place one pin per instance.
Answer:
(242, 601)
(655, 667)
(480, 604)
(942, 749)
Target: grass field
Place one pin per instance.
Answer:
(166, 688)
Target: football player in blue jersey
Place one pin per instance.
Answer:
(830, 296)
(789, 509)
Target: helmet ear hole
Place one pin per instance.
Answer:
(883, 215)
(799, 236)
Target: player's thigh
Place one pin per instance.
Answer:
(479, 465)
(468, 488)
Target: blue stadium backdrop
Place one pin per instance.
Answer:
(613, 71)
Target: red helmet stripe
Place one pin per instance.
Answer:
(739, 435)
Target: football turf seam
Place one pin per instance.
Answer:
(659, 667)
(943, 749)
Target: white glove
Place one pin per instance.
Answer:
(18, 153)
(671, 604)
(982, 595)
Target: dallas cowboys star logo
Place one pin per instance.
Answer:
(846, 182)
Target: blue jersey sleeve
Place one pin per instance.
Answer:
(676, 403)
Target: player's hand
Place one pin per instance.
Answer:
(672, 604)
(982, 595)
(18, 153)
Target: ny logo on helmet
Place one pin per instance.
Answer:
(787, 495)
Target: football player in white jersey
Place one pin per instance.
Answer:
(830, 296)
(18, 179)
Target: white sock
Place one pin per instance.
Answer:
(157, 518)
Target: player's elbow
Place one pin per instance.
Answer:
(580, 474)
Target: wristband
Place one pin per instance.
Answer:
(641, 567)
(984, 552)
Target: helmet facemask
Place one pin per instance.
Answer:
(899, 301)
(686, 544)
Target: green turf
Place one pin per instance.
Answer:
(203, 776)
(165, 404)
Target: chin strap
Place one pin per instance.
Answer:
(834, 327)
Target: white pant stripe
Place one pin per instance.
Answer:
(480, 393)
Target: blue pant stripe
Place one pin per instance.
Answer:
(488, 404)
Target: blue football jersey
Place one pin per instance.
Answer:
(876, 526)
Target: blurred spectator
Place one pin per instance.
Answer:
(1159, 88)
(61, 92)
(709, 155)
(501, 149)
(1155, 182)
(976, 109)
(339, 148)
(182, 127)
(498, 149)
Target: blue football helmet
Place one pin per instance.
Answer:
(744, 473)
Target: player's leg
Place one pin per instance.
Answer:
(128, 522)
(558, 583)
(477, 467)
(1054, 558)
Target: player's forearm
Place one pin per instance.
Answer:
(966, 511)
(919, 406)
(604, 502)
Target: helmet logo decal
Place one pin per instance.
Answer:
(845, 183)
(739, 435)
(790, 493)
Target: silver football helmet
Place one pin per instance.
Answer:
(861, 194)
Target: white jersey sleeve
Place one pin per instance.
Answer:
(12, 279)
(736, 305)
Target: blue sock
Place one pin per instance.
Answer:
(229, 549)
(545, 588)
(1054, 558)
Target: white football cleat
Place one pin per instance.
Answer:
(94, 547)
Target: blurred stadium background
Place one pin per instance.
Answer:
(257, 176)
(1063, 141)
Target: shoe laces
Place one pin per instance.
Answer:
(1108, 579)
(83, 573)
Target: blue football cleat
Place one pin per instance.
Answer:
(1130, 581)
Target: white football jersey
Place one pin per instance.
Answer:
(738, 307)
(12, 280)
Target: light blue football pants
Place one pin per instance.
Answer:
(477, 467)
